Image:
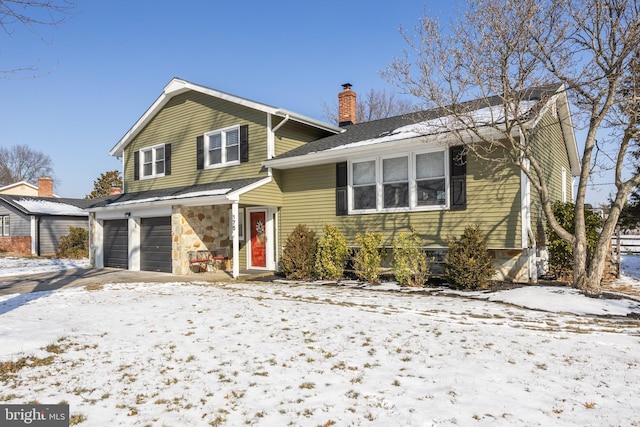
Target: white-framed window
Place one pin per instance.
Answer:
(240, 223)
(152, 162)
(431, 183)
(412, 181)
(5, 225)
(222, 147)
(395, 182)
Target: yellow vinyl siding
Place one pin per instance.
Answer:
(493, 203)
(293, 135)
(185, 117)
(550, 150)
(265, 195)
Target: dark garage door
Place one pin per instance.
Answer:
(155, 244)
(115, 237)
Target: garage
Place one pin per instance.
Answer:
(155, 244)
(115, 238)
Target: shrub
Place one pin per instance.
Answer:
(560, 252)
(75, 244)
(468, 264)
(298, 256)
(331, 254)
(366, 261)
(411, 266)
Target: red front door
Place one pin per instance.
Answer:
(258, 220)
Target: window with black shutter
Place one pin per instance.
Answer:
(341, 189)
(200, 152)
(458, 178)
(136, 165)
(167, 159)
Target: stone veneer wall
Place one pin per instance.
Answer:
(197, 228)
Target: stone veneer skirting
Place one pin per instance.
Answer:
(197, 228)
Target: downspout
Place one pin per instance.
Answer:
(285, 120)
(528, 241)
(271, 152)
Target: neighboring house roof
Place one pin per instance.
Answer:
(22, 188)
(186, 194)
(178, 86)
(31, 205)
(363, 137)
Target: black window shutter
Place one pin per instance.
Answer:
(136, 165)
(200, 152)
(167, 159)
(244, 143)
(458, 178)
(341, 189)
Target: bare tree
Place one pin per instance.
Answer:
(21, 163)
(373, 105)
(586, 48)
(32, 14)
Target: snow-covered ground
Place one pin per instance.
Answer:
(274, 354)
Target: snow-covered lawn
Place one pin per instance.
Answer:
(195, 354)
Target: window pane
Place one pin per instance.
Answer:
(148, 156)
(5, 226)
(215, 156)
(431, 192)
(215, 141)
(395, 169)
(232, 153)
(364, 172)
(364, 197)
(147, 169)
(232, 137)
(396, 195)
(430, 165)
(160, 166)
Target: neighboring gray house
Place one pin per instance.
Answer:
(34, 225)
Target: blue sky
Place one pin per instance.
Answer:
(99, 72)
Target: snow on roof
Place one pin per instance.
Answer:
(477, 118)
(47, 207)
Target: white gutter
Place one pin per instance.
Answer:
(344, 152)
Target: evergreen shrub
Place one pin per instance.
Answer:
(298, 256)
(468, 264)
(75, 244)
(367, 260)
(331, 254)
(411, 266)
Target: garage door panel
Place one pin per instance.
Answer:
(155, 244)
(115, 243)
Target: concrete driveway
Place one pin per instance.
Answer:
(94, 276)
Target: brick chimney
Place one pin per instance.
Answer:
(346, 106)
(115, 190)
(45, 187)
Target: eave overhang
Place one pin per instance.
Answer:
(178, 86)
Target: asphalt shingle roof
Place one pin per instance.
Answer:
(377, 128)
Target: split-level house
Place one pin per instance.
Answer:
(205, 170)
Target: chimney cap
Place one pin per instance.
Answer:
(347, 86)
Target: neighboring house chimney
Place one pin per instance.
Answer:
(45, 187)
(346, 106)
(115, 190)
